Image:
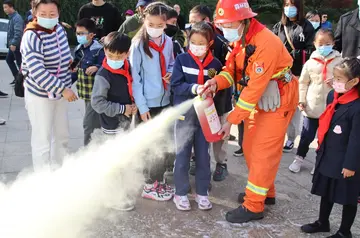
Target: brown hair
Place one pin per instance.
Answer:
(299, 4)
(153, 9)
(38, 2)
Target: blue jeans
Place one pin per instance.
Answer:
(10, 58)
(188, 133)
(308, 134)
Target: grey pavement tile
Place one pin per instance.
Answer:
(76, 128)
(18, 115)
(17, 149)
(13, 126)
(13, 164)
(3, 134)
(18, 136)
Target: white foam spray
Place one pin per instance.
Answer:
(62, 203)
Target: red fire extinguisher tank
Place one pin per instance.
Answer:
(208, 118)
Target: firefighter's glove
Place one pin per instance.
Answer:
(270, 100)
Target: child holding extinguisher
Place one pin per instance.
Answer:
(189, 75)
(337, 170)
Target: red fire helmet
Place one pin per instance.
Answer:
(228, 11)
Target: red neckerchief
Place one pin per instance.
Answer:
(33, 25)
(162, 58)
(208, 59)
(325, 118)
(254, 28)
(125, 72)
(325, 63)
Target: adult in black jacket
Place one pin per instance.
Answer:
(347, 34)
(299, 42)
(301, 33)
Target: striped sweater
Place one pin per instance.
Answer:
(41, 59)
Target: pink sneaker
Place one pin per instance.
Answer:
(156, 192)
(182, 203)
(203, 202)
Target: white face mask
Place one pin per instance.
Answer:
(154, 32)
(198, 50)
(233, 35)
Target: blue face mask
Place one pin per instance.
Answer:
(115, 64)
(315, 24)
(325, 50)
(82, 39)
(290, 12)
(233, 35)
(48, 23)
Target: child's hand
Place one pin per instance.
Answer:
(302, 106)
(75, 70)
(128, 110)
(167, 77)
(146, 116)
(134, 109)
(91, 70)
(347, 173)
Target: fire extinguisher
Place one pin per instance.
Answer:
(208, 116)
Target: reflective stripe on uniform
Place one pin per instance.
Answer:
(281, 73)
(256, 189)
(245, 105)
(227, 76)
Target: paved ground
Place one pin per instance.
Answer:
(295, 205)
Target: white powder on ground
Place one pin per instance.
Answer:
(61, 204)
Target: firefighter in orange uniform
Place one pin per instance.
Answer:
(267, 102)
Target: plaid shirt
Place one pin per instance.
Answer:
(84, 84)
(85, 58)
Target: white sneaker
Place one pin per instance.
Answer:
(312, 171)
(2, 122)
(203, 202)
(182, 203)
(295, 167)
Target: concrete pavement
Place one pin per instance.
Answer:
(295, 205)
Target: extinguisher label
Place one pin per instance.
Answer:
(213, 119)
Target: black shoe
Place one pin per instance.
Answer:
(315, 227)
(268, 201)
(232, 138)
(3, 95)
(242, 215)
(192, 166)
(288, 147)
(220, 172)
(340, 235)
(13, 82)
(239, 153)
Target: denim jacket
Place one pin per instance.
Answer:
(15, 29)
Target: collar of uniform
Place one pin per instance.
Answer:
(254, 28)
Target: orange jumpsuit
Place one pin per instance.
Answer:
(264, 132)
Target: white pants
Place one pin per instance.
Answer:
(50, 131)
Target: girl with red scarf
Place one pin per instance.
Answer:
(191, 71)
(152, 60)
(337, 170)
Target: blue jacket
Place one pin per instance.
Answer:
(185, 77)
(93, 55)
(15, 29)
(148, 89)
(341, 146)
(326, 25)
(28, 17)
